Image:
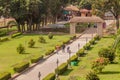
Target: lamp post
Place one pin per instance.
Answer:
(39, 75)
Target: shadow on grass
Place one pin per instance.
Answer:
(67, 72)
(111, 72)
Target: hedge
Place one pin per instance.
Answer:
(87, 46)
(16, 34)
(36, 59)
(97, 37)
(5, 76)
(80, 52)
(49, 52)
(73, 37)
(21, 67)
(74, 58)
(66, 41)
(62, 68)
(92, 42)
(50, 76)
(4, 39)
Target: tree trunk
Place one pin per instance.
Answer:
(19, 28)
(117, 22)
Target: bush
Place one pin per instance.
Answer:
(21, 67)
(49, 52)
(73, 37)
(97, 37)
(4, 39)
(62, 68)
(21, 49)
(50, 35)
(36, 59)
(92, 42)
(50, 76)
(74, 58)
(3, 33)
(16, 34)
(87, 46)
(66, 41)
(92, 76)
(31, 43)
(99, 64)
(107, 53)
(42, 39)
(80, 52)
(5, 76)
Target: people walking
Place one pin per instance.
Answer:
(68, 48)
(63, 48)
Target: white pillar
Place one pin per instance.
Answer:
(100, 29)
(72, 28)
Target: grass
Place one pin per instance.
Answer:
(111, 72)
(9, 56)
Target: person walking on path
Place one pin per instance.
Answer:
(78, 46)
(63, 48)
(68, 48)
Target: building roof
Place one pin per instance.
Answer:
(71, 8)
(86, 19)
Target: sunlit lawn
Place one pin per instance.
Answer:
(9, 56)
(111, 72)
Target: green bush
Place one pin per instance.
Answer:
(31, 43)
(16, 34)
(92, 42)
(4, 39)
(73, 37)
(21, 49)
(74, 58)
(80, 52)
(50, 35)
(5, 76)
(50, 76)
(36, 59)
(66, 41)
(49, 52)
(62, 68)
(97, 37)
(87, 46)
(3, 33)
(92, 76)
(21, 67)
(107, 53)
(42, 39)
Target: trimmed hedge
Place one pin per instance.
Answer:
(36, 59)
(92, 42)
(16, 34)
(49, 52)
(73, 37)
(21, 67)
(62, 68)
(66, 42)
(87, 46)
(80, 52)
(4, 39)
(97, 37)
(74, 58)
(5, 76)
(50, 76)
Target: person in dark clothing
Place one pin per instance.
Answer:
(68, 48)
(63, 48)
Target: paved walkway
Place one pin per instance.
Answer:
(49, 65)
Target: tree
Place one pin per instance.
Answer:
(85, 4)
(103, 6)
(92, 76)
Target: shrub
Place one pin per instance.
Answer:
(36, 59)
(74, 58)
(21, 67)
(49, 52)
(92, 76)
(99, 64)
(66, 41)
(42, 39)
(73, 37)
(50, 76)
(3, 33)
(97, 37)
(4, 39)
(62, 68)
(92, 42)
(87, 46)
(16, 34)
(5, 76)
(80, 52)
(50, 35)
(21, 49)
(31, 43)
(107, 53)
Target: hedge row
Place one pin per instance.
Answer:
(49, 52)
(4, 39)
(62, 68)
(16, 34)
(5, 76)
(74, 58)
(87, 46)
(36, 59)
(50, 76)
(80, 52)
(92, 42)
(21, 67)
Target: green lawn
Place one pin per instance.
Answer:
(111, 71)
(9, 56)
